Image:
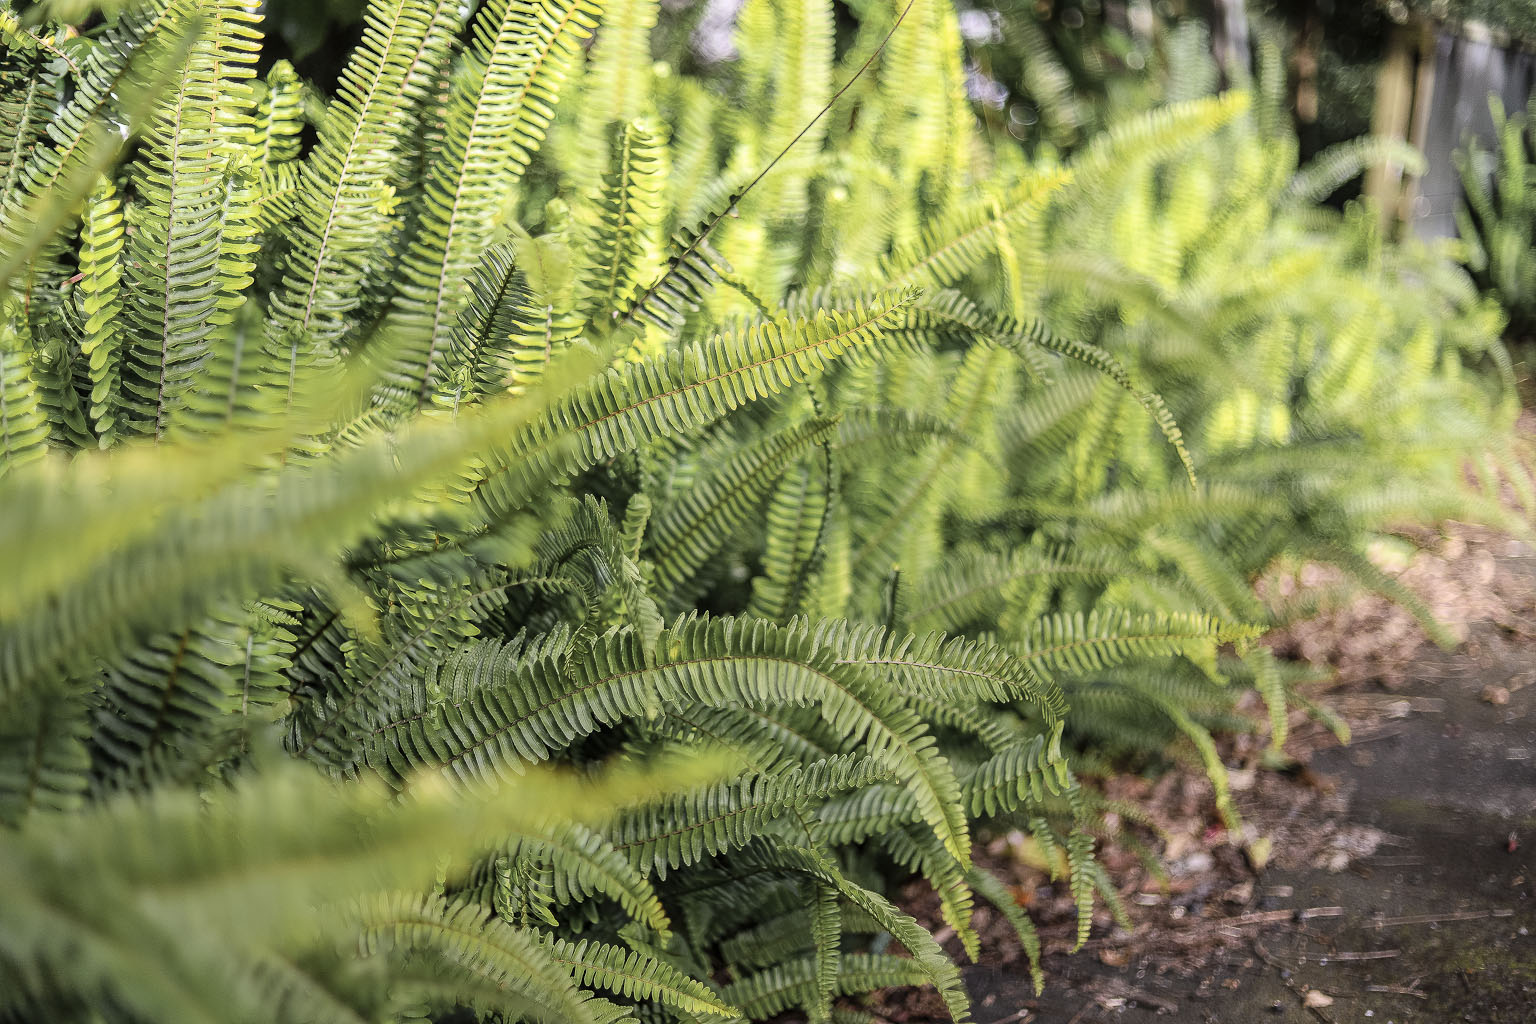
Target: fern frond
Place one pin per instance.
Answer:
(687, 532)
(583, 864)
(1021, 773)
(635, 975)
(962, 240)
(502, 341)
(279, 118)
(943, 668)
(188, 263)
(497, 114)
(973, 584)
(44, 760)
(925, 952)
(675, 394)
(128, 63)
(794, 523)
(769, 993)
(620, 250)
(100, 291)
(1081, 643)
(347, 175)
(484, 947)
(527, 707)
(992, 889)
(1339, 163)
(23, 425)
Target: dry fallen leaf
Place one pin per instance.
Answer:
(1258, 852)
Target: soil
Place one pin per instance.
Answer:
(1392, 877)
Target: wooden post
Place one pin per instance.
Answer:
(1394, 108)
(1304, 59)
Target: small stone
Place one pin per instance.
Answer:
(1496, 695)
(1197, 863)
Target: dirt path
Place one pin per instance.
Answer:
(1434, 923)
(1405, 863)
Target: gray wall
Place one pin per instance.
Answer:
(1467, 69)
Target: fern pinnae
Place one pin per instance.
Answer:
(101, 245)
(467, 936)
(960, 242)
(994, 891)
(29, 89)
(622, 242)
(279, 118)
(496, 115)
(756, 663)
(347, 173)
(1107, 364)
(926, 955)
(79, 147)
(675, 393)
(185, 264)
(691, 259)
(1105, 636)
(686, 533)
(503, 341)
(634, 974)
(44, 757)
(936, 665)
(795, 520)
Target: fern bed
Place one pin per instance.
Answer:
(543, 532)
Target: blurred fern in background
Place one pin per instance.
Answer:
(1497, 220)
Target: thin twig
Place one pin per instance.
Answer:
(1021, 1016)
(1460, 915)
(1323, 958)
(1397, 990)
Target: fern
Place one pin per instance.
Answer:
(497, 113)
(353, 447)
(187, 267)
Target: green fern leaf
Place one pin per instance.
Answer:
(675, 394)
(496, 117)
(686, 533)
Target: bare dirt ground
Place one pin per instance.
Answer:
(1399, 887)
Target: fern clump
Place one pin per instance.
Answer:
(1496, 219)
(486, 603)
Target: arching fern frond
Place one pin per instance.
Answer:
(1084, 643)
(686, 533)
(676, 393)
(635, 975)
(496, 116)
